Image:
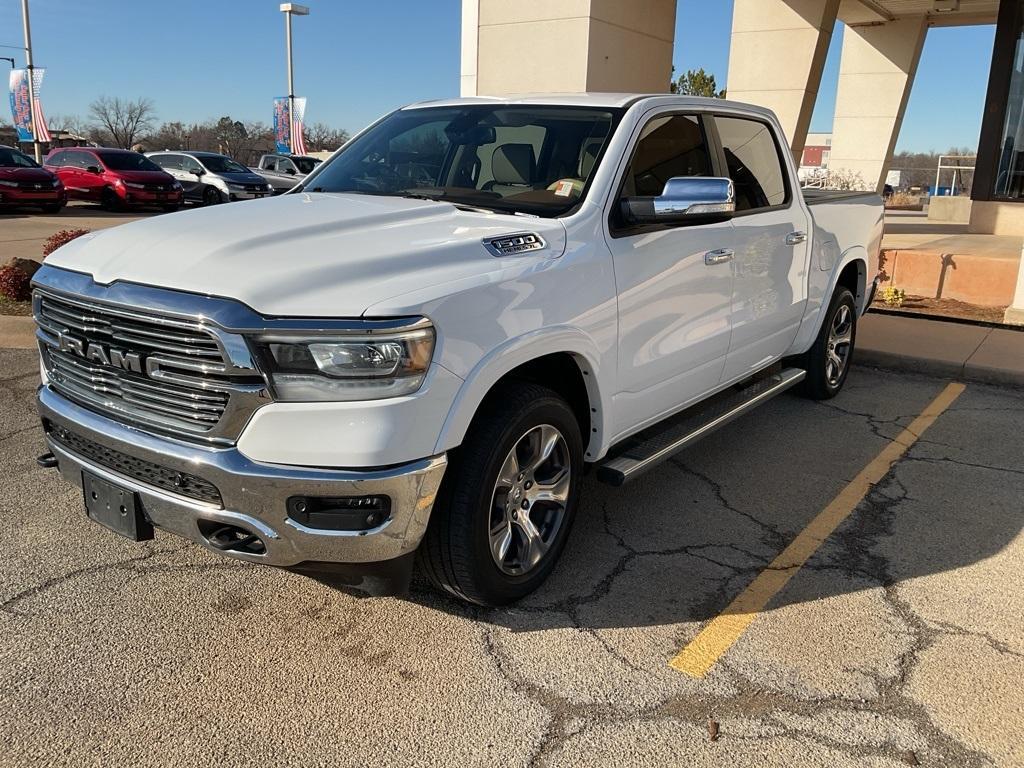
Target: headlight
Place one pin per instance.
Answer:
(236, 187)
(133, 185)
(348, 367)
(8, 183)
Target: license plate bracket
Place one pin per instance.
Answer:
(116, 508)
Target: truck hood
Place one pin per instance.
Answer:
(306, 255)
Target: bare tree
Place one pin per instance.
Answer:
(320, 137)
(122, 121)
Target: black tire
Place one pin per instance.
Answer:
(456, 552)
(821, 383)
(110, 200)
(211, 196)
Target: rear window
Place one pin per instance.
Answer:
(754, 163)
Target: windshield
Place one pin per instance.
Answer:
(221, 164)
(127, 161)
(525, 159)
(12, 158)
(306, 164)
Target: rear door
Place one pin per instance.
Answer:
(674, 306)
(771, 228)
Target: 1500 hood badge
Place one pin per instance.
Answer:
(514, 244)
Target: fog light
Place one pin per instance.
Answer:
(339, 513)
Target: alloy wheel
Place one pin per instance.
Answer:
(840, 344)
(529, 500)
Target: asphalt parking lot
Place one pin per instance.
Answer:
(900, 641)
(28, 229)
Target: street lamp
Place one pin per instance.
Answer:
(8, 58)
(289, 10)
(31, 81)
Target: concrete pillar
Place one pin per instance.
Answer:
(776, 58)
(1015, 312)
(876, 73)
(566, 46)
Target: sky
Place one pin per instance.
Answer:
(355, 60)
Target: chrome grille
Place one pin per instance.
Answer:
(182, 386)
(138, 332)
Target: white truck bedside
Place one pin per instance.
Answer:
(416, 352)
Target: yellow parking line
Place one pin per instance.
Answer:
(725, 629)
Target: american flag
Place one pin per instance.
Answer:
(39, 130)
(298, 141)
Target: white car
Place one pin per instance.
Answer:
(420, 349)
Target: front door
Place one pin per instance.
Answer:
(770, 265)
(674, 306)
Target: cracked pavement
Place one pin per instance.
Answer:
(900, 642)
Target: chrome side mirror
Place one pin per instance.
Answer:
(697, 199)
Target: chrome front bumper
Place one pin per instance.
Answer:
(253, 494)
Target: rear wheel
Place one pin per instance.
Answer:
(211, 196)
(508, 499)
(827, 362)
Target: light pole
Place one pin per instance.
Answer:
(289, 10)
(31, 82)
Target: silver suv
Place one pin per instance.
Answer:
(209, 178)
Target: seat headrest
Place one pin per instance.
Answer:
(588, 156)
(513, 164)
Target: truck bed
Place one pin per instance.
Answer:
(813, 195)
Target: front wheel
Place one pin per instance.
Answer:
(508, 499)
(211, 196)
(828, 360)
(110, 200)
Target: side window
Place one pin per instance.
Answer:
(170, 162)
(77, 160)
(57, 160)
(669, 146)
(754, 162)
(189, 164)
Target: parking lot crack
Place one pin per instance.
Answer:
(771, 534)
(8, 604)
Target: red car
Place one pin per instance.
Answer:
(114, 177)
(24, 183)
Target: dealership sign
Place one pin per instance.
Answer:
(288, 128)
(27, 114)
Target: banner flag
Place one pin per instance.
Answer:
(27, 117)
(21, 111)
(298, 140)
(38, 120)
(282, 125)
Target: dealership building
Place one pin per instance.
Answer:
(776, 58)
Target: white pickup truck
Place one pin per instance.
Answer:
(421, 349)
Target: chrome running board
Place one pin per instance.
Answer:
(637, 454)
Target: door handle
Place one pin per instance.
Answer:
(795, 238)
(720, 256)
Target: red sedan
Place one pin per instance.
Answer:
(117, 178)
(24, 183)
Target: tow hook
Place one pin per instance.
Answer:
(230, 538)
(47, 461)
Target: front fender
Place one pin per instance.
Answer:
(514, 353)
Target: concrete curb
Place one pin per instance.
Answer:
(17, 332)
(949, 350)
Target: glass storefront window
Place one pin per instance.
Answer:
(1009, 181)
